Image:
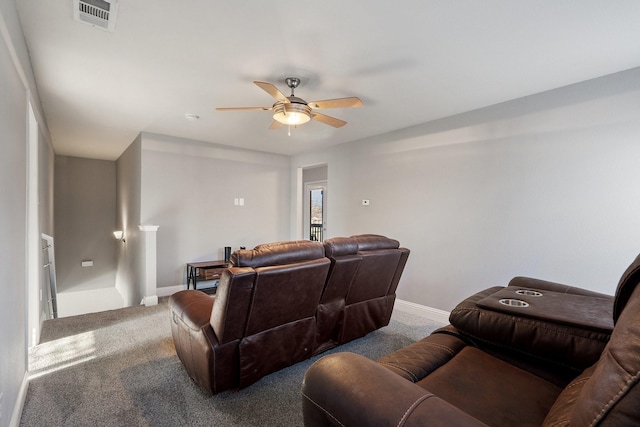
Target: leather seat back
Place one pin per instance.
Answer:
(345, 261)
(280, 326)
(371, 296)
(607, 393)
(231, 305)
(383, 262)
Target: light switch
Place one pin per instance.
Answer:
(365, 202)
(87, 263)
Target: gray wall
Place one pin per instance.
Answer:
(544, 186)
(46, 165)
(85, 218)
(129, 280)
(189, 189)
(315, 173)
(16, 86)
(13, 268)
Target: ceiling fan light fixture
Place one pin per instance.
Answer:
(292, 113)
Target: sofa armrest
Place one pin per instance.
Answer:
(543, 285)
(191, 307)
(551, 340)
(350, 390)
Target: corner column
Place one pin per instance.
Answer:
(150, 282)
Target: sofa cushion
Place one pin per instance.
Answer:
(372, 242)
(492, 391)
(279, 253)
(340, 246)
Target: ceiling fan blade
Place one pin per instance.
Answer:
(275, 125)
(243, 108)
(337, 103)
(328, 120)
(273, 91)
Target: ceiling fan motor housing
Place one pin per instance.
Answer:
(292, 82)
(296, 112)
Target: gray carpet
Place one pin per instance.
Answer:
(119, 368)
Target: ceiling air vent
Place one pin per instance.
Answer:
(99, 13)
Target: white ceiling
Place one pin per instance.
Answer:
(409, 61)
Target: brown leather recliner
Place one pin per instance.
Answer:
(561, 363)
(281, 303)
(261, 319)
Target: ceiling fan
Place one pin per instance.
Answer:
(294, 111)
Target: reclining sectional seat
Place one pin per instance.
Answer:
(281, 303)
(481, 370)
(361, 287)
(372, 293)
(261, 319)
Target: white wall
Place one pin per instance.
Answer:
(544, 186)
(189, 188)
(16, 86)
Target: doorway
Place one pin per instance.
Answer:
(314, 206)
(315, 211)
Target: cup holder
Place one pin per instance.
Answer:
(528, 293)
(514, 302)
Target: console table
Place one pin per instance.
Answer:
(206, 270)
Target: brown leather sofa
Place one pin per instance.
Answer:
(279, 304)
(361, 287)
(566, 356)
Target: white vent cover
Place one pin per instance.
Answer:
(99, 13)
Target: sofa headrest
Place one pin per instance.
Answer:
(339, 246)
(372, 242)
(279, 253)
(627, 284)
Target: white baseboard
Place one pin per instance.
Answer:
(431, 313)
(169, 290)
(149, 301)
(19, 406)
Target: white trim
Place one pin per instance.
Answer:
(149, 301)
(170, 290)
(149, 268)
(19, 406)
(6, 36)
(431, 313)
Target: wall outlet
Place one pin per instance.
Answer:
(365, 202)
(87, 263)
